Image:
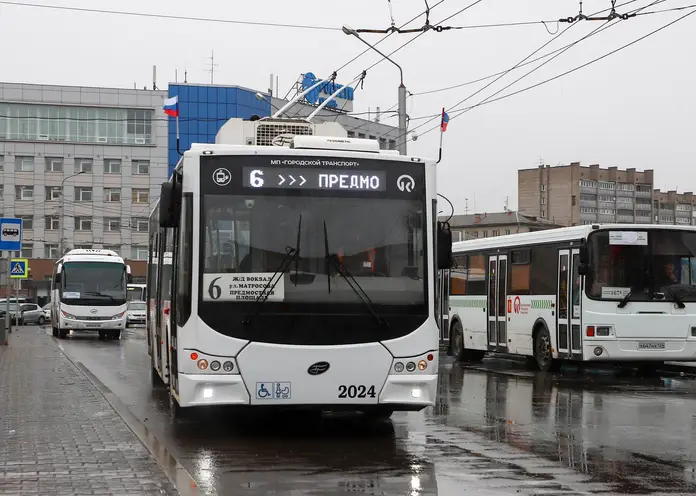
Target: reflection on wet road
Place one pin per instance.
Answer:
(497, 429)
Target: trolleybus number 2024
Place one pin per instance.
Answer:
(356, 391)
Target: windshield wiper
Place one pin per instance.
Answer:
(343, 271)
(290, 255)
(674, 296)
(623, 302)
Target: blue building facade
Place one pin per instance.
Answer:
(204, 109)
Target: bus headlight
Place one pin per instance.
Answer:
(399, 367)
(214, 365)
(202, 364)
(118, 315)
(68, 315)
(410, 366)
(228, 366)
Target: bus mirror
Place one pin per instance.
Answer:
(56, 279)
(444, 246)
(583, 253)
(129, 278)
(170, 204)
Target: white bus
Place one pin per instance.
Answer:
(136, 292)
(622, 293)
(303, 275)
(88, 293)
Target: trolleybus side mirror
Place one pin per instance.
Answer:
(170, 204)
(129, 275)
(444, 246)
(584, 267)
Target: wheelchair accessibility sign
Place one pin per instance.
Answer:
(273, 390)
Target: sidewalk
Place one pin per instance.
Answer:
(59, 435)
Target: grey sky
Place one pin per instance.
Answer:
(633, 109)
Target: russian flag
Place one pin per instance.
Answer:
(171, 106)
(445, 120)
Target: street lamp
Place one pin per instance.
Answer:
(62, 211)
(402, 91)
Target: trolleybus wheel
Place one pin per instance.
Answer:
(542, 352)
(461, 354)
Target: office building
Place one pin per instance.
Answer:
(81, 166)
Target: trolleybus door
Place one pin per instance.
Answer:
(568, 330)
(497, 303)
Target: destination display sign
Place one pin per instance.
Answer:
(317, 179)
(321, 176)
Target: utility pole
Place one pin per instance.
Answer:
(402, 92)
(61, 219)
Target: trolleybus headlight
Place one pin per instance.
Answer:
(422, 365)
(228, 366)
(202, 364)
(398, 367)
(410, 366)
(215, 365)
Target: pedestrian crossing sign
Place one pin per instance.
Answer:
(19, 268)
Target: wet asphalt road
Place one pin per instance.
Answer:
(498, 429)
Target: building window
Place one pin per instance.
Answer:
(543, 214)
(50, 251)
(141, 167)
(495, 232)
(53, 193)
(507, 231)
(54, 164)
(141, 196)
(112, 195)
(27, 250)
(112, 166)
(24, 164)
(83, 194)
(112, 224)
(139, 224)
(543, 200)
(116, 248)
(392, 144)
(32, 122)
(27, 222)
(543, 187)
(83, 247)
(83, 223)
(52, 223)
(83, 165)
(24, 192)
(139, 252)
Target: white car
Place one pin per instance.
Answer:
(136, 312)
(47, 311)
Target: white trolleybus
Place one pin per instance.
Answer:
(621, 293)
(303, 273)
(88, 293)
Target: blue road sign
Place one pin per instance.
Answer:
(10, 234)
(19, 268)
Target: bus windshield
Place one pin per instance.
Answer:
(94, 283)
(381, 243)
(651, 265)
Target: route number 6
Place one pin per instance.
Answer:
(256, 179)
(214, 290)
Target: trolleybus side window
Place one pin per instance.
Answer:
(185, 261)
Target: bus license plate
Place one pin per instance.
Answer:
(651, 346)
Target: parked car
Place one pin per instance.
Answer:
(31, 313)
(136, 312)
(15, 312)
